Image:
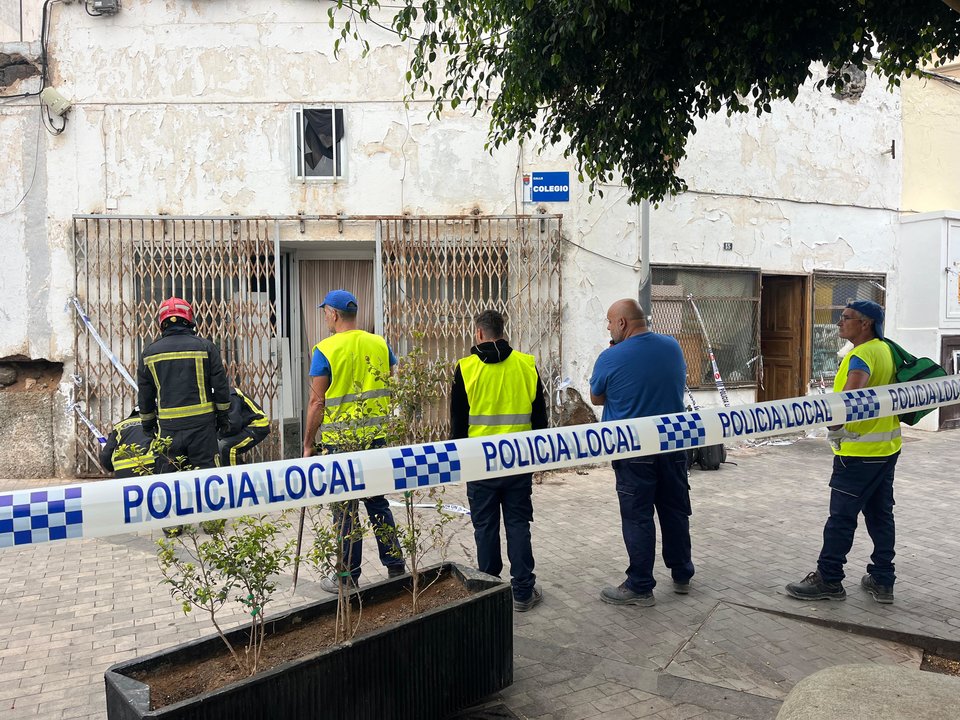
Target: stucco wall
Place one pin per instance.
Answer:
(185, 108)
(931, 145)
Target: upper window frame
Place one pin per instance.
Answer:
(297, 164)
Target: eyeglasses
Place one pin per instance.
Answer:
(844, 318)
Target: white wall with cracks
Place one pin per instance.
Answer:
(186, 108)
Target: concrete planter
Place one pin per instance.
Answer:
(428, 666)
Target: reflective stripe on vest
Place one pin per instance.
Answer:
(356, 404)
(185, 411)
(519, 419)
(261, 420)
(134, 462)
(500, 394)
(879, 437)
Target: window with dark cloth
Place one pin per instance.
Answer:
(319, 134)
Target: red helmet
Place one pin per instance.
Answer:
(175, 307)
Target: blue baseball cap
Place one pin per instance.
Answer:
(870, 309)
(340, 300)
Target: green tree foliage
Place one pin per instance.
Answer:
(621, 83)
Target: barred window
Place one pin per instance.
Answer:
(831, 293)
(729, 301)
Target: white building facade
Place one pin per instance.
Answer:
(222, 152)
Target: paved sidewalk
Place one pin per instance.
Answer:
(732, 648)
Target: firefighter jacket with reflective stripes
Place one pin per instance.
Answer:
(496, 390)
(127, 450)
(355, 405)
(181, 380)
(245, 413)
(878, 437)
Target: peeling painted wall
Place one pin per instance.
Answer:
(186, 108)
(931, 145)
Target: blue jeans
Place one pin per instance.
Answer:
(513, 495)
(644, 484)
(860, 484)
(378, 508)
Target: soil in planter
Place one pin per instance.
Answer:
(938, 664)
(171, 683)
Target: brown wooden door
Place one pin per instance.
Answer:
(950, 349)
(782, 321)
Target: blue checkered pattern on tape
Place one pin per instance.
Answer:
(35, 516)
(681, 431)
(861, 404)
(426, 465)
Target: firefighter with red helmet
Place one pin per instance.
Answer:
(183, 390)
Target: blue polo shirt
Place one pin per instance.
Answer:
(643, 375)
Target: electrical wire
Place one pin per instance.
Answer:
(36, 161)
(601, 255)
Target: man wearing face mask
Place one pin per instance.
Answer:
(643, 373)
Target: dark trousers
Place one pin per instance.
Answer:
(381, 518)
(232, 448)
(384, 530)
(860, 484)
(644, 484)
(513, 496)
(197, 445)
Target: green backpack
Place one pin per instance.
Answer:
(910, 368)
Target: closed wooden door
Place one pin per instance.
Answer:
(782, 321)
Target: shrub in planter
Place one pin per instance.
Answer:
(426, 666)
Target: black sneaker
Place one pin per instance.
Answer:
(813, 587)
(881, 593)
(396, 570)
(535, 598)
(622, 595)
(681, 587)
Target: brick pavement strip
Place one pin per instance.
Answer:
(70, 609)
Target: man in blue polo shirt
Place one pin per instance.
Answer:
(643, 373)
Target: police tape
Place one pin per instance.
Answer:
(447, 507)
(114, 360)
(120, 506)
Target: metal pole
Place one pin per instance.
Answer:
(278, 306)
(645, 280)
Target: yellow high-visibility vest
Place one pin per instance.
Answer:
(356, 402)
(879, 437)
(500, 394)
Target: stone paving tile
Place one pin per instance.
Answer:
(717, 655)
(71, 609)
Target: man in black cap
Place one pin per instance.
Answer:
(865, 457)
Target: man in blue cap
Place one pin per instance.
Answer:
(865, 457)
(348, 405)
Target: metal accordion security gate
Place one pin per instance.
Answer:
(435, 275)
(438, 273)
(125, 266)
